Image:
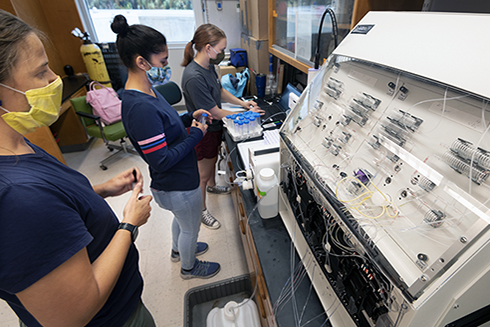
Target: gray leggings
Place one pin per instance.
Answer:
(141, 317)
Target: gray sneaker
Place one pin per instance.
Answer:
(218, 189)
(209, 221)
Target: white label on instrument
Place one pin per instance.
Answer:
(458, 116)
(366, 79)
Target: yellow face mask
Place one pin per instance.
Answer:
(45, 105)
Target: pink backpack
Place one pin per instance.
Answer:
(105, 103)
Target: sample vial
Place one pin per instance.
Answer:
(202, 120)
(251, 125)
(240, 127)
(246, 129)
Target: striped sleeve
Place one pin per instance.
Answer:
(153, 144)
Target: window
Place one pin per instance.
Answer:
(174, 18)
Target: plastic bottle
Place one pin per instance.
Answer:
(235, 123)
(234, 315)
(228, 119)
(246, 127)
(202, 120)
(271, 86)
(251, 124)
(240, 127)
(268, 193)
(257, 121)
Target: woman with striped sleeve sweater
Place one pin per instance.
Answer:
(159, 135)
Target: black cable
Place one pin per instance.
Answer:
(335, 33)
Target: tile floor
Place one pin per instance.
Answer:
(164, 289)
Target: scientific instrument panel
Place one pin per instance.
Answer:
(385, 182)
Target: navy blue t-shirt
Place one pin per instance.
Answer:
(49, 212)
(158, 133)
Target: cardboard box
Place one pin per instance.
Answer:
(223, 70)
(254, 18)
(258, 55)
(252, 88)
(245, 12)
(259, 19)
(245, 42)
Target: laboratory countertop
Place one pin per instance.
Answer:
(280, 262)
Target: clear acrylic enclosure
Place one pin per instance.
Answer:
(404, 160)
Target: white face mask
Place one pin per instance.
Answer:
(45, 105)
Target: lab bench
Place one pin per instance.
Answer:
(272, 260)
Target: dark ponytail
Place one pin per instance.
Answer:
(136, 40)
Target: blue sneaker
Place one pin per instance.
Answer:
(202, 269)
(201, 248)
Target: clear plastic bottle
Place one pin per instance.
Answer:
(240, 127)
(251, 125)
(228, 119)
(203, 118)
(271, 86)
(246, 129)
(235, 124)
(257, 121)
(230, 125)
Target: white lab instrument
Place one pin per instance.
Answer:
(385, 163)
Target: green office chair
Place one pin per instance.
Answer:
(170, 91)
(95, 128)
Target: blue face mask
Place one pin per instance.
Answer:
(158, 75)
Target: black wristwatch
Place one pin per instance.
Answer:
(133, 229)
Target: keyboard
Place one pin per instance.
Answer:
(273, 113)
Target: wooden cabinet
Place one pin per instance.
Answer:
(68, 129)
(56, 19)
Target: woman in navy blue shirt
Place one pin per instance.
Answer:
(65, 260)
(159, 135)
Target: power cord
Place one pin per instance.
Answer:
(335, 33)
